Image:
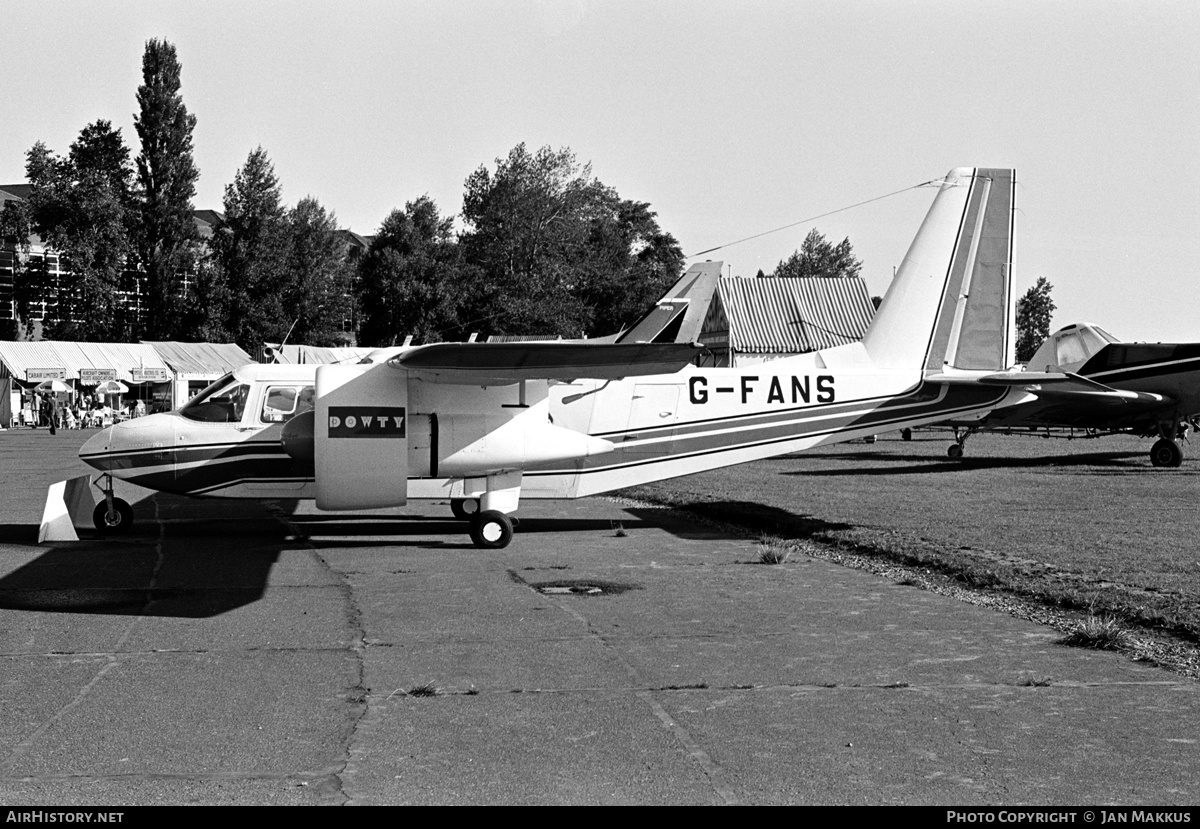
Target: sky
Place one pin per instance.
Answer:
(729, 118)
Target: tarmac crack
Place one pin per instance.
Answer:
(362, 713)
(691, 747)
(112, 660)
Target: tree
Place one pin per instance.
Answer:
(557, 251)
(317, 281)
(167, 176)
(817, 257)
(82, 208)
(1034, 311)
(629, 263)
(250, 247)
(409, 279)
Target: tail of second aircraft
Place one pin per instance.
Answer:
(949, 306)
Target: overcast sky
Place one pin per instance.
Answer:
(729, 118)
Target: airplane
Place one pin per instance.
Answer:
(1083, 378)
(486, 424)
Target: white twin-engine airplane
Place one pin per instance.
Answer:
(484, 424)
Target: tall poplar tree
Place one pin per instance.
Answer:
(167, 177)
(250, 248)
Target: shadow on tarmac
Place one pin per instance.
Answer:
(181, 564)
(1106, 463)
(753, 516)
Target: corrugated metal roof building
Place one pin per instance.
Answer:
(195, 365)
(201, 361)
(754, 320)
(32, 362)
(322, 355)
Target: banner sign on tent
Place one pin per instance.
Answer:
(37, 375)
(96, 376)
(150, 375)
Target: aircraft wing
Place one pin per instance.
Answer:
(499, 364)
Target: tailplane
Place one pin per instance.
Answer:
(679, 315)
(950, 304)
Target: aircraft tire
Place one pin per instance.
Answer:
(491, 530)
(954, 451)
(1166, 453)
(119, 523)
(464, 509)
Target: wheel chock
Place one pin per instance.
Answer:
(68, 503)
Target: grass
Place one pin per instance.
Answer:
(1105, 633)
(772, 550)
(1085, 526)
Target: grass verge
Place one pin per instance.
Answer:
(973, 569)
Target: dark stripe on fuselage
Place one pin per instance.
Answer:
(192, 453)
(924, 402)
(1122, 357)
(1111, 376)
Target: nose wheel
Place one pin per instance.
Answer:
(114, 520)
(113, 515)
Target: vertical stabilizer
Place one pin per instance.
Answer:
(950, 302)
(679, 315)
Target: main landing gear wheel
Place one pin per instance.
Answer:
(115, 523)
(955, 451)
(491, 530)
(1166, 453)
(464, 508)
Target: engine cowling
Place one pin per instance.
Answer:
(359, 437)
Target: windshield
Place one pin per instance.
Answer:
(222, 402)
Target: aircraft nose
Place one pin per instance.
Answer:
(95, 452)
(122, 446)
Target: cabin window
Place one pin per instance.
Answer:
(222, 402)
(1070, 349)
(282, 403)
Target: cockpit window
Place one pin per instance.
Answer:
(1070, 349)
(282, 403)
(222, 402)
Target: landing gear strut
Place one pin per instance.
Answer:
(955, 450)
(112, 516)
(464, 508)
(1166, 452)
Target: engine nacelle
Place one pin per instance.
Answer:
(359, 437)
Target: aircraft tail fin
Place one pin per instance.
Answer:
(679, 315)
(950, 304)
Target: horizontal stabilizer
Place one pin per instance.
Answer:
(1061, 383)
(504, 363)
